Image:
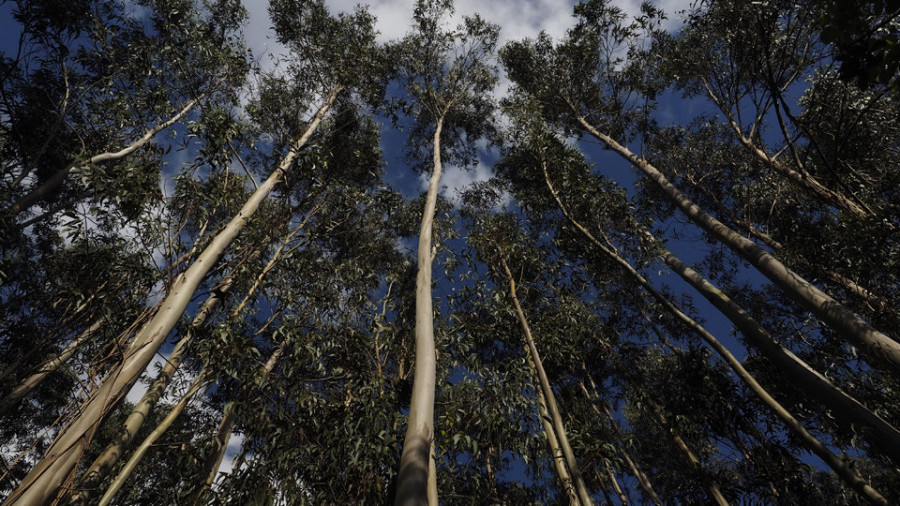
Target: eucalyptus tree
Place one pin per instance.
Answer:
(312, 277)
(831, 140)
(579, 196)
(102, 84)
(447, 74)
(594, 98)
(347, 47)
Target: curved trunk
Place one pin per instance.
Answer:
(414, 476)
(57, 466)
(558, 424)
(875, 343)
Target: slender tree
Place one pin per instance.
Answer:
(448, 75)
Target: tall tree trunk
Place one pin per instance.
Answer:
(881, 435)
(556, 453)
(414, 475)
(840, 467)
(58, 463)
(884, 436)
(874, 301)
(583, 495)
(226, 427)
(875, 343)
(145, 445)
(48, 367)
(60, 175)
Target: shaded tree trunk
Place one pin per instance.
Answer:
(556, 453)
(875, 343)
(210, 468)
(145, 445)
(101, 466)
(714, 492)
(842, 468)
(583, 494)
(48, 367)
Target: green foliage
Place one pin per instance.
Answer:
(322, 277)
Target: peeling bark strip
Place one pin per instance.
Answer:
(145, 445)
(413, 478)
(101, 466)
(556, 453)
(58, 464)
(875, 343)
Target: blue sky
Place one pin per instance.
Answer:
(518, 19)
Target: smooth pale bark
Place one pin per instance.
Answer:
(583, 495)
(59, 176)
(874, 301)
(58, 463)
(210, 469)
(884, 437)
(48, 367)
(145, 445)
(101, 466)
(414, 475)
(874, 343)
(556, 453)
(841, 467)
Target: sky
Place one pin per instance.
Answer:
(518, 19)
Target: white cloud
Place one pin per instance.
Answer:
(518, 19)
